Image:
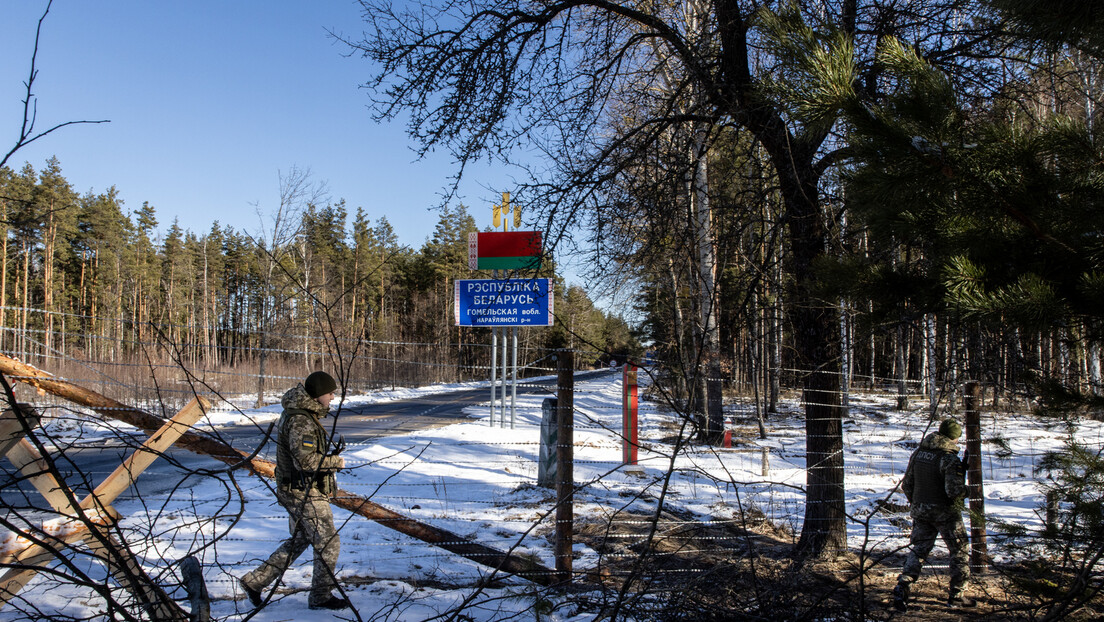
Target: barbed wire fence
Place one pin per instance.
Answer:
(687, 509)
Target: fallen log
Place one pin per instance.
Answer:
(207, 445)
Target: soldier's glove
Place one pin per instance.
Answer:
(333, 460)
(964, 465)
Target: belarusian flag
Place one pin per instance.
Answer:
(504, 250)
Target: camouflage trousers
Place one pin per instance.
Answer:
(927, 523)
(310, 522)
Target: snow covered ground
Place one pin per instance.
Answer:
(478, 482)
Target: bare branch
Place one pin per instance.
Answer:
(27, 133)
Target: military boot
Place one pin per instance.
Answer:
(901, 596)
(333, 602)
(958, 598)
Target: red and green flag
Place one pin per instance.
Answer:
(504, 250)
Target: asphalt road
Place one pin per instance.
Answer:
(363, 423)
(357, 424)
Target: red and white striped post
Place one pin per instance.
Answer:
(629, 411)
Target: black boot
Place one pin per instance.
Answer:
(333, 602)
(901, 596)
(958, 598)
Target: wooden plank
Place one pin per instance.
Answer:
(11, 428)
(121, 564)
(30, 463)
(125, 474)
(32, 557)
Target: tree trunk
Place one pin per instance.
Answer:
(1093, 360)
(4, 275)
(26, 299)
(776, 335)
(48, 278)
(263, 359)
(930, 370)
(816, 349)
(707, 291)
(208, 352)
(677, 330)
(901, 366)
(847, 349)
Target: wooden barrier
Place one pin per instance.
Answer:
(215, 448)
(91, 520)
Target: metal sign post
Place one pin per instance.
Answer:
(513, 385)
(494, 360)
(504, 301)
(505, 374)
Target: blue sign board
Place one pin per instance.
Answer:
(503, 302)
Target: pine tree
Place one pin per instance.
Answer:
(57, 204)
(101, 242)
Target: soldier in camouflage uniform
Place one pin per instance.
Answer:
(935, 486)
(305, 481)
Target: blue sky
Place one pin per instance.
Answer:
(209, 101)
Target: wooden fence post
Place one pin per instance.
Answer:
(192, 574)
(548, 456)
(565, 482)
(979, 549)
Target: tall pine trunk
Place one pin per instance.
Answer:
(929, 371)
(4, 274)
(816, 349)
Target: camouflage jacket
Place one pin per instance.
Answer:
(935, 478)
(303, 462)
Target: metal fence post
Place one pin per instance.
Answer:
(979, 549)
(565, 474)
(629, 413)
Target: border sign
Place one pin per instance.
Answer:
(503, 302)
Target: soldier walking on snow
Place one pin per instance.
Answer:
(935, 485)
(304, 483)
